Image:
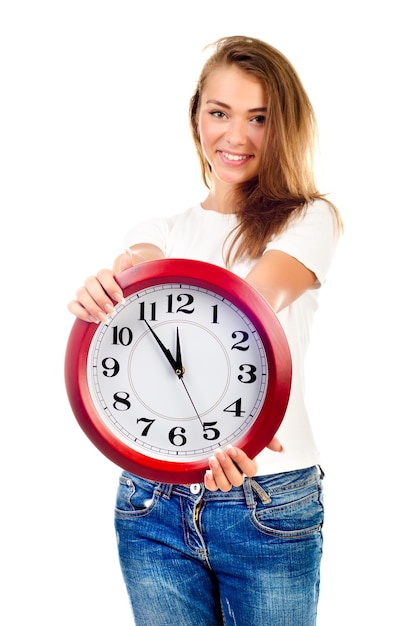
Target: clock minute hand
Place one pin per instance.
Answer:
(165, 350)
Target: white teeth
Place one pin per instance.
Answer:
(234, 157)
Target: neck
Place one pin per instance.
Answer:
(220, 200)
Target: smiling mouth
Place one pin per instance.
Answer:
(236, 157)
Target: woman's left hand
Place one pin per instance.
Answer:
(229, 467)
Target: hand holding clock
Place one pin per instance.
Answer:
(229, 467)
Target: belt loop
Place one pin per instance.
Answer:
(250, 485)
(165, 490)
(249, 496)
(262, 494)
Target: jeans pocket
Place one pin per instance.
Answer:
(135, 497)
(297, 512)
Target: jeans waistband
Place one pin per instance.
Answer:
(261, 487)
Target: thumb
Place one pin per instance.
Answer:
(125, 261)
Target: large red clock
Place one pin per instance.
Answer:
(193, 360)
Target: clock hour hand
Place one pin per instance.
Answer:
(179, 365)
(165, 351)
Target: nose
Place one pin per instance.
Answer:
(236, 132)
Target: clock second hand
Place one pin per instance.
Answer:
(180, 371)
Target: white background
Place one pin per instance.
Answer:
(94, 137)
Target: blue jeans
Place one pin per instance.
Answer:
(249, 557)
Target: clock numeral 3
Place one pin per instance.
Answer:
(249, 370)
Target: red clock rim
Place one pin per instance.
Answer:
(229, 286)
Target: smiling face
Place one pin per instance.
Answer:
(231, 124)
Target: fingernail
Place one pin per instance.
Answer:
(220, 454)
(231, 451)
(118, 297)
(93, 319)
(102, 317)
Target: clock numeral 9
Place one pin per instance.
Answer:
(111, 367)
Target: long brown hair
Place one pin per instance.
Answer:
(285, 182)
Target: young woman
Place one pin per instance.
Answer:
(244, 547)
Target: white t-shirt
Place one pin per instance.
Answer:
(200, 234)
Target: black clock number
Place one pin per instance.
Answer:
(147, 421)
(110, 366)
(249, 370)
(145, 315)
(235, 408)
(183, 308)
(238, 344)
(121, 401)
(123, 336)
(214, 432)
(176, 436)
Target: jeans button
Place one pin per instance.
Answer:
(195, 488)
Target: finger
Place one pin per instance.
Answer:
(217, 474)
(247, 466)
(275, 445)
(110, 286)
(80, 312)
(94, 300)
(125, 262)
(210, 481)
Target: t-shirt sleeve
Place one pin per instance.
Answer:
(154, 231)
(311, 239)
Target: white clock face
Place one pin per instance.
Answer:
(178, 372)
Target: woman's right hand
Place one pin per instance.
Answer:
(94, 300)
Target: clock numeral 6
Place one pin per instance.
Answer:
(176, 436)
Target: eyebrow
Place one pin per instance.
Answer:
(226, 106)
